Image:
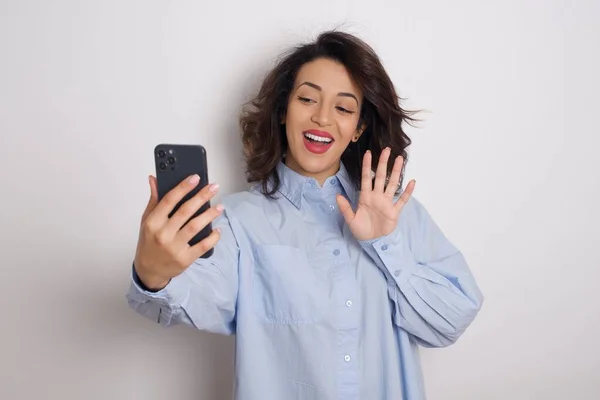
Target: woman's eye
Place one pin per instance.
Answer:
(305, 99)
(342, 109)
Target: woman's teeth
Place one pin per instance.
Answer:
(316, 138)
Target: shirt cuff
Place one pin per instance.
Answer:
(174, 295)
(392, 254)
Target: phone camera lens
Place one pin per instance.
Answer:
(171, 160)
(162, 166)
(161, 153)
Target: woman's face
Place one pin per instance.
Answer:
(321, 119)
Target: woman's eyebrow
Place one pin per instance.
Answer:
(319, 88)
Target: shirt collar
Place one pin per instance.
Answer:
(293, 184)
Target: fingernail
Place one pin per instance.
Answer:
(194, 179)
(214, 187)
(220, 207)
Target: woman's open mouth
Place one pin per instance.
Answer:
(317, 142)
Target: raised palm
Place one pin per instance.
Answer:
(376, 213)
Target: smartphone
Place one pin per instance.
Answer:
(176, 162)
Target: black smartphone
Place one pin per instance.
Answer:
(176, 162)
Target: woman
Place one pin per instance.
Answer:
(329, 278)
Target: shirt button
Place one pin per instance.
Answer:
(336, 252)
(331, 207)
(349, 303)
(347, 358)
(397, 272)
(384, 247)
(333, 182)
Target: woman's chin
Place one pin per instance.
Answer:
(316, 164)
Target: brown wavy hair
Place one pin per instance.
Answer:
(263, 134)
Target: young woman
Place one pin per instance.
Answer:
(330, 277)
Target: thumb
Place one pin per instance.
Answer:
(153, 201)
(345, 208)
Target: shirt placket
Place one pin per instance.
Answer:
(347, 315)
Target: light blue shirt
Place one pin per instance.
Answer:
(316, 313)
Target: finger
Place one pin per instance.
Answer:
(366, 183)
(200, 248)
(345, 208)
(153, 201)
(381, 172)
(405, 196)
(174, 196)
(198, 223)
(392, 185)
(190, 207)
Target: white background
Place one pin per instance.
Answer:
(504, 161)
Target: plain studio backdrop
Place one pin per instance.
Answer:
(504, 161)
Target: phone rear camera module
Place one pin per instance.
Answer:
(162, 166)
(161, 153)
(171, 160)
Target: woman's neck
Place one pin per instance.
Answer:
(320, 176)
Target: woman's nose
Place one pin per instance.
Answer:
(321, 115)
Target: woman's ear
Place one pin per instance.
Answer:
(358, 133)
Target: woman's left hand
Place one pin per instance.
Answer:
(376, 214)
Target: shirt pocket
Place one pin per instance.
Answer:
(287, 289)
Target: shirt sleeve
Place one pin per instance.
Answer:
(434, 293)
(203, 296)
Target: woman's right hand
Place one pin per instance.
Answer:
(163, 251)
